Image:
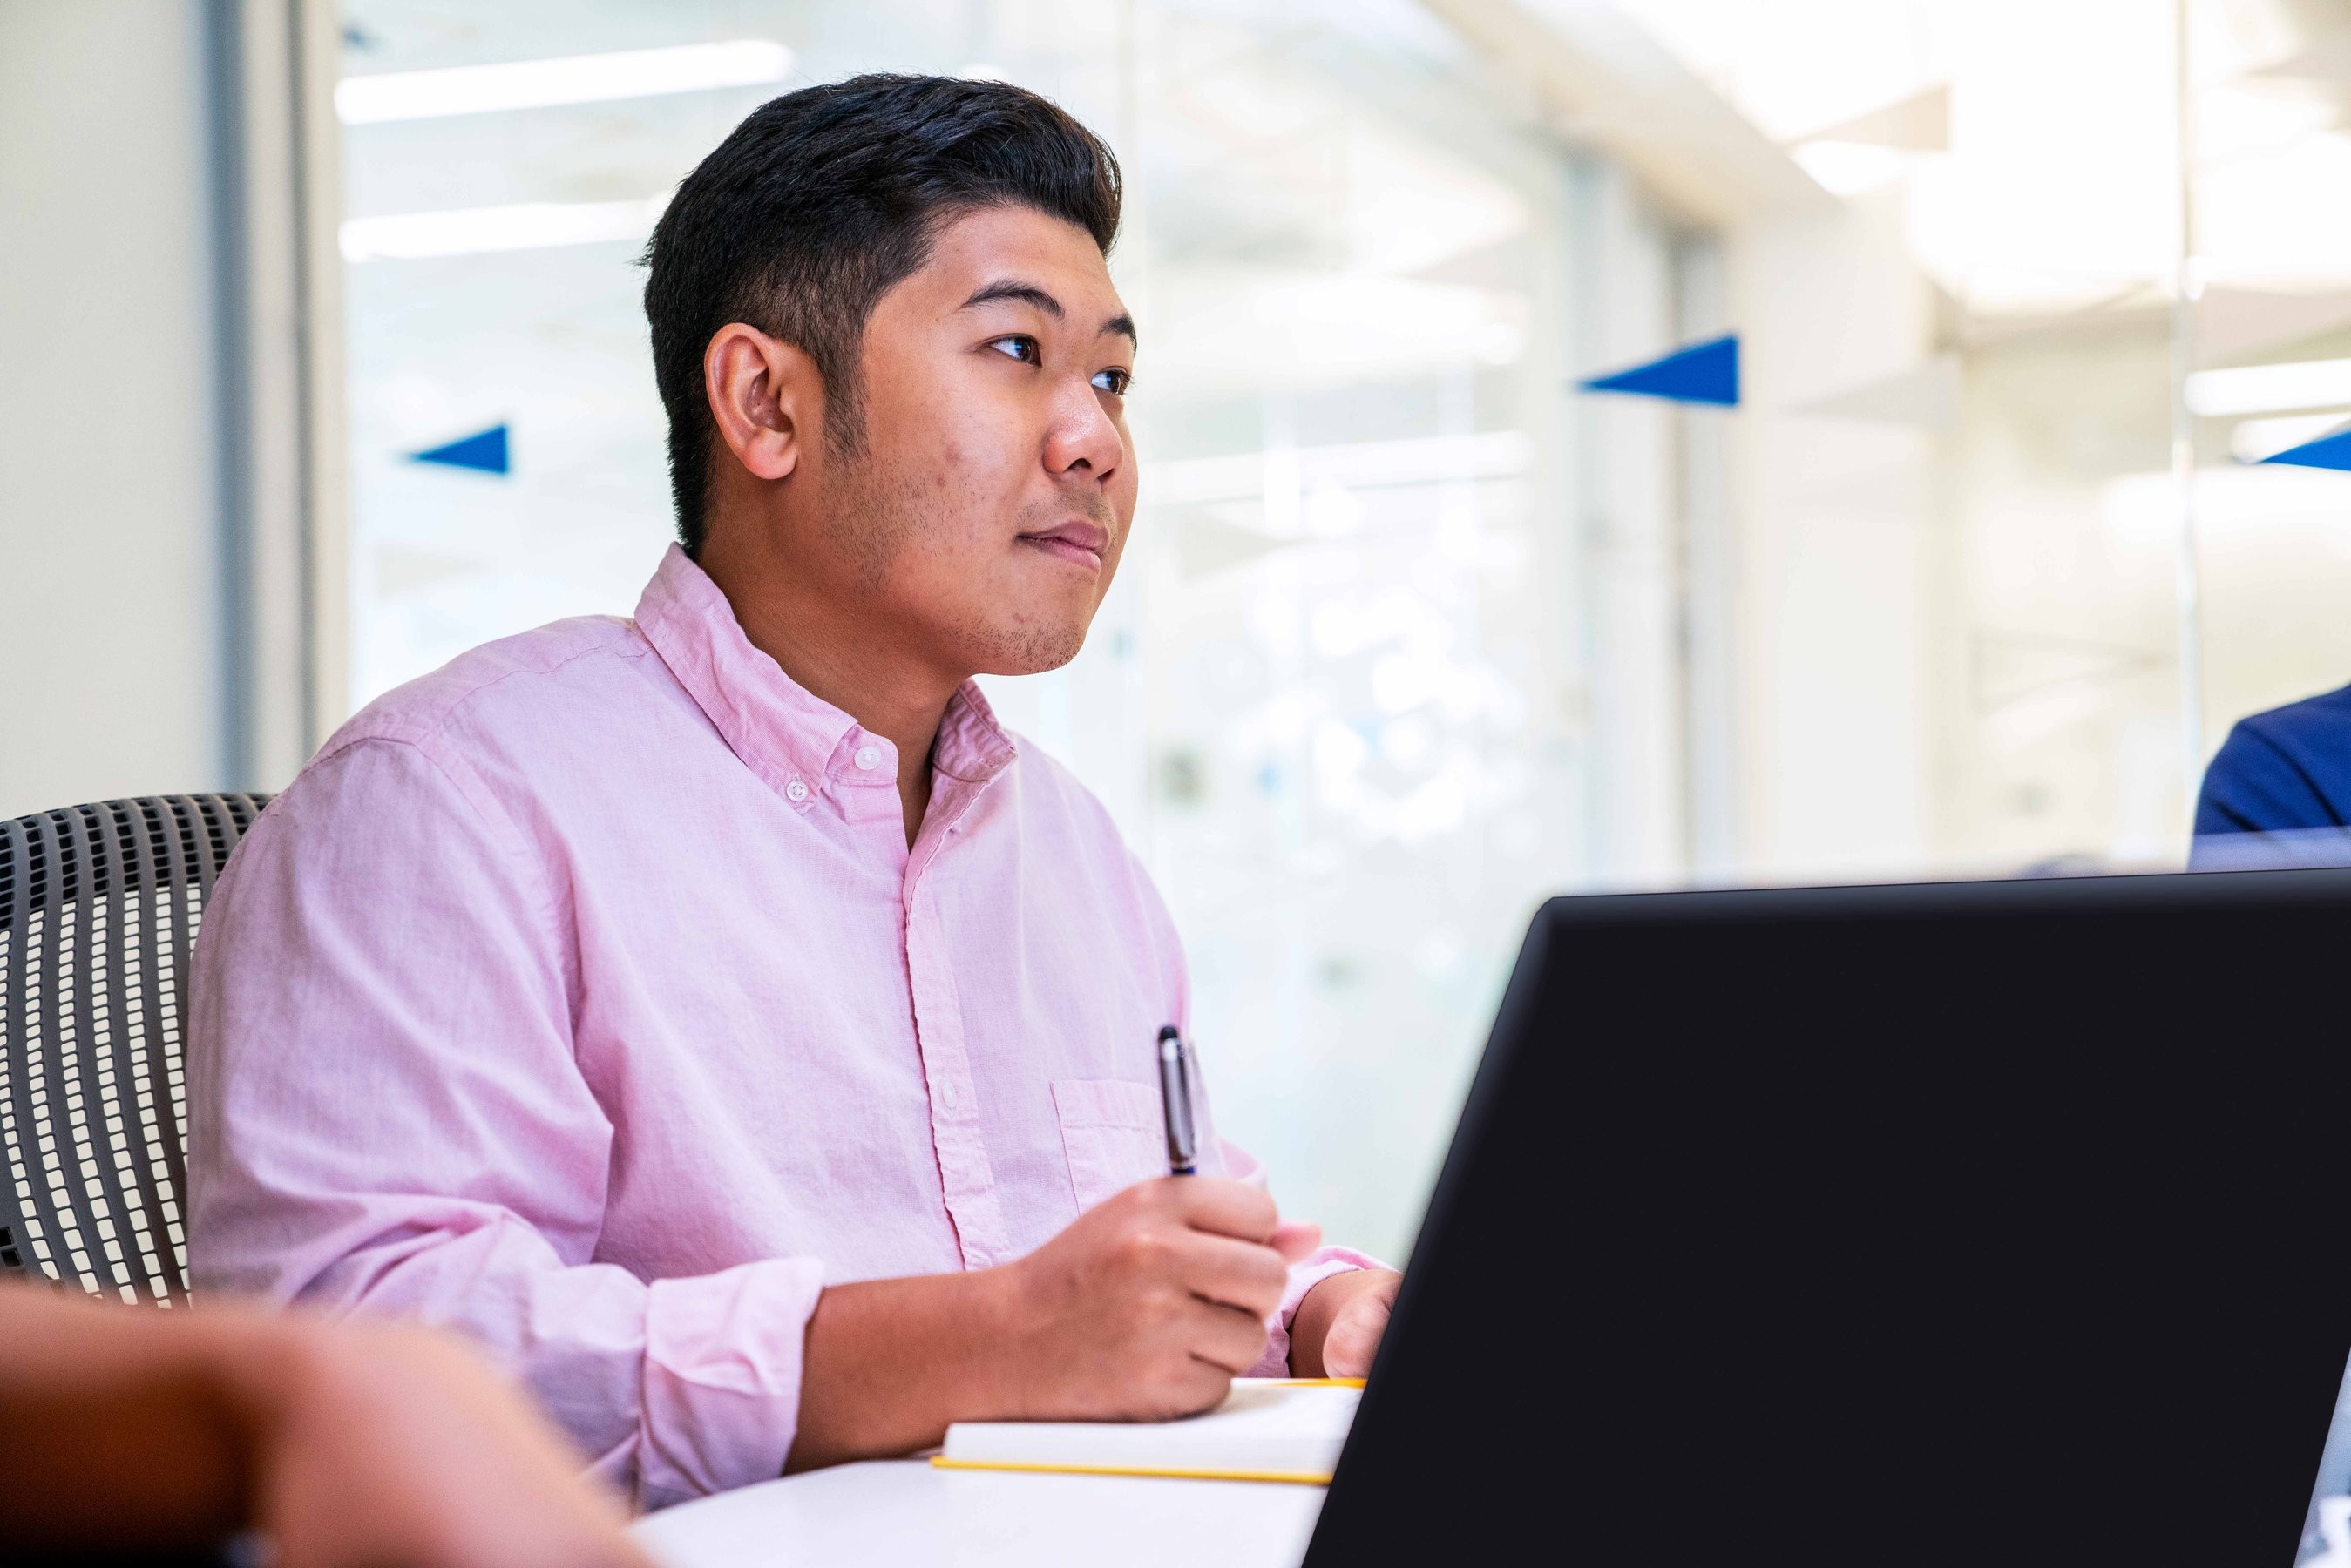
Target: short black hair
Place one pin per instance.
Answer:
(823, 201)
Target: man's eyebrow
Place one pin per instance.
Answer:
(1023, 293)
(1030, 294)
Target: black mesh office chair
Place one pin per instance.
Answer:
(98, 910)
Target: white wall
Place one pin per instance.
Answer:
(1840, 595)
(111, 666)
(1628, 521)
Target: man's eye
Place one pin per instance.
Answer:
(1016, 347)
(1115, 382)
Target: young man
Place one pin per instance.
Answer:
(717, 1014)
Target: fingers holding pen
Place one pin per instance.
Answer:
(1231, 1339)
(1216, 1205)
(1239, 1274)
(1150, 1302)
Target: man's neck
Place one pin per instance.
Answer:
(830, 647)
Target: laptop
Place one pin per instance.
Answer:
(1985, 1223)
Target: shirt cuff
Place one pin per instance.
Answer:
(1303, 1277)
(722, 1377)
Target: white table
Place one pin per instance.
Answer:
(894, 1511)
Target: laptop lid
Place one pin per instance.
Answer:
(1959, 1224)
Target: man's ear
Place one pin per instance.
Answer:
(766, 398)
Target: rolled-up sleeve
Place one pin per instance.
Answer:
(385, 1114)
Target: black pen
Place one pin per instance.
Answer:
(1176, 1100)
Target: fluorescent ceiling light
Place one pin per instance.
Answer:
(2267, 388)
(471, 230)
(574, 78)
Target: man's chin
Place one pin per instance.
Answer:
(1031, 649)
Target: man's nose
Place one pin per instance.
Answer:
(1083, 436)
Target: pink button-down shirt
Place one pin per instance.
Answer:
(586, 994)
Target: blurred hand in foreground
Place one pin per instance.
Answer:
(340, 1445)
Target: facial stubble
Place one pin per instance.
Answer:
(885, 515)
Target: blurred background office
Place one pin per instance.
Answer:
(1949, 547)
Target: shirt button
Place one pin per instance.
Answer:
(947, 1096)
(796, 792)
(868, 758)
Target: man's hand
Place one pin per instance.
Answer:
(1337, 1328)
(1151, 1303)
(1145, 1307)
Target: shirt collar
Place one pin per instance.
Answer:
(780, 730)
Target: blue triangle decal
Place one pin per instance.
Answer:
(2326, 452)
(485, 450)
(1702, 373)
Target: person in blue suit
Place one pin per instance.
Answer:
(2284, 772)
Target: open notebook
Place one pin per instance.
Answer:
(1267, 1429)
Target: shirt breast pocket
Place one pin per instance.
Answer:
(1112, 1135)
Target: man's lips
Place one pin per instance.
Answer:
(1080, 543)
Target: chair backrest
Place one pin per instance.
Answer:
(98, 910)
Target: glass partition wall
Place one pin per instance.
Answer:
(2119, 288)
(1412, 631)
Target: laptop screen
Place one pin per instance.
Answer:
(1963, 1223)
